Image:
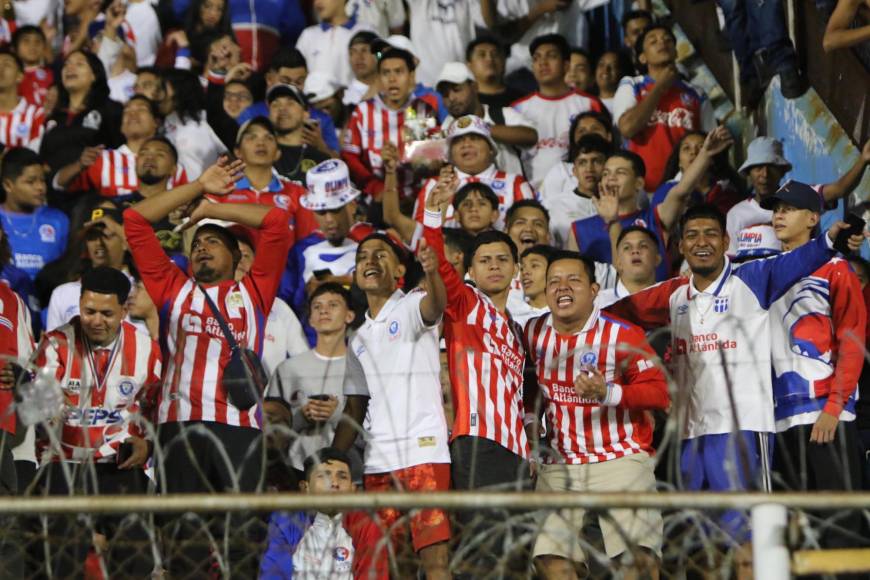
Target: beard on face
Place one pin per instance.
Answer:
(149, 178)
(206, 274)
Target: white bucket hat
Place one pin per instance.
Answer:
(329, 186)
(764, 151)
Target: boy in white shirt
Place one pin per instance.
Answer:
(325, 45)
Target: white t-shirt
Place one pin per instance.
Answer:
(325, 48)
(440, 31)
(507, 158)
(552, 118)
(394, 359)
(381, 15)
(121, 86)
(563, 203)
(340, 260)
(354, 92)
(146, 28)
(284, 336)
(197, 144)
(750, 230)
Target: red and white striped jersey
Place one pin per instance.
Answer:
(485, 358)
(371, 125)
(585, 430)
(102, 407)
(22, 126)
(510, 188)
(113, 174)
(35, 84)
(16, 344)
(196, 351)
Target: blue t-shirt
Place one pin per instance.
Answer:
(36, 239)
(593, 239)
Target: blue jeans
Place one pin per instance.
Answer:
(755, 26)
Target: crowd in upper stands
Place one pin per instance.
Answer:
(422, 245)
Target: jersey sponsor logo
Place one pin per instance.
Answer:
(47, 233)
(565, 394)
(720, 304)
(513, 360)
(678, 117)
(93, 416)
(703, 343)
(126, 387)
(29, 261)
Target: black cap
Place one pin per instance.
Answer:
(286, 91)
(795, 194)
(261, 121)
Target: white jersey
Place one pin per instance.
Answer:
(381, 15)
(565, 205)
(440, 31)
(394, 360)
(317, 555)
(197, 144)
(721, 339)
(552, 117)
(284, 337)
(145, 30)
(325, 48)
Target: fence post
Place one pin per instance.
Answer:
(770, 555)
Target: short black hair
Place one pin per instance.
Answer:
(164, 141)
(638, 228)
(22, 31)
(483, 189)
(591, 143)
(702, 211)
(366, 37)
(555, 39)
(331, 288)
(484, 39)
(324, 455)
(587, 262)
(15, 161)
(638, 44)
(7, 51)
(288, 58)
(399, 251)
(399, 53)
(228, 237)
(457, 239)
(517, 206)
(106, 280)
(152, 106)
(490, 237)
(637, 164)
(634, 15)
(540, 250)
(582, 52)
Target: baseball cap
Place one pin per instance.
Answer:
(320, 86)
(261, 121)
(764, 151)
(328, 186)
(795, 194)
(454, 73)
(470, 125)
(286, 91)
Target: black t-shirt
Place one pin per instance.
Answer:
(296, 160)
(504, 99)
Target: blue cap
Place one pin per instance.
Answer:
(795, 194)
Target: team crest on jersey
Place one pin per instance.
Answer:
(589, 358)
(393, 329)
(282, 201)
(22, 130)
(47, 233)
(234, 300)
(498, 184)
(341, 554)
(126, 387)
(720, 305)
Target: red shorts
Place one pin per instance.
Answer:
(428, 526)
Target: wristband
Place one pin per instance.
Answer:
(613, 396)
(432, 219)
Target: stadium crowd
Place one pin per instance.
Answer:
(279, 245)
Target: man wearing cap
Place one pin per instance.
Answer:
(257, 147)
(288, 113)
(748, 223)
(197, 418)
(328, 254)
(552, 107)
(817, 339)
(325, 45)
(508, 128)
(471, 154)
(325, 94)
(382, 119)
